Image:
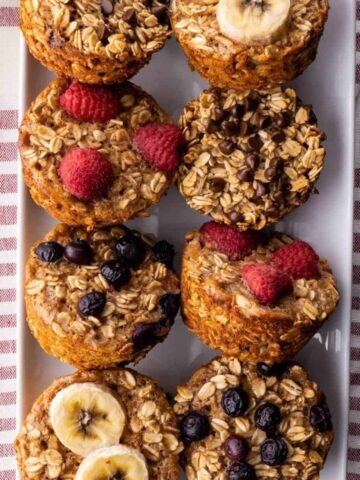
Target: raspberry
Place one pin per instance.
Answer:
(298, 259)
(266, 282)
(236, 245)
(158, 144)
(90, 103)
(85, 173)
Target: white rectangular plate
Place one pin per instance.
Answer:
(325, 221)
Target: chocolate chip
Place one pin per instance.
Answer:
(261, 121)
(244, 129)
(212, 126)
(245, 175)
(252, 161)
(219, 114)
(226, 147)
(107, 7)
(255, 142)
(130, 16)
(217, 185)
(312, 117)
(278, 137)
(260, 188)
(270, 173)
(160, 13)
(251, 103)
(282, 119)
(237, 111)
(230, 128)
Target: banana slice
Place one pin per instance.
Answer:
(253, 21)
(119, 462)
(86, 416)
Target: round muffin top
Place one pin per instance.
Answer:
(84, 410)
(249, 158)
(261, 28)
(110, 29)
(247, 421)
(262, 271)
(79, 156)
(111, 289)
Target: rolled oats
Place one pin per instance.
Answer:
(307, 448)
(250, 158)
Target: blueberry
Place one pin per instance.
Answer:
(145, 335)
(274, 370)
(235, 402)
(164, 252)
(267, 417)
(116, 272)
(79, 252)
(169, 304)
(273, 451)
(240, 471)
(49, 252)
(92, 304)
(194, 426)
(132, 249)
(236, 448)
(320, 418)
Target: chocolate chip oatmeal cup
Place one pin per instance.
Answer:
(115, 423)
(256, 296)
(97, 41)
(244, 421)
(99, 298)
(97, 156)
(249, 158)
(249, 44)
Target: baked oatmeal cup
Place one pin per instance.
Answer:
(97, 41)
(100, 298)
(249, 158)
(249, 44)
(115, 422)
(254, 295)
(94, 155)
(247, 421)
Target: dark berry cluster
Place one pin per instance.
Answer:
(130, 252)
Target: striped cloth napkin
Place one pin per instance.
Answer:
(9, 84)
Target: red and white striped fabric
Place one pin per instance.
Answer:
(9, 81)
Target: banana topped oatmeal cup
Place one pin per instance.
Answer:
(94, 41)
(249, 158)
(249, 44)
(99, 298)
(109, 424)
(243, 421)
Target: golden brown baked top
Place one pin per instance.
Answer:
(106, 29)
(250, 158)
(129, 312)
(310, 300)
(195, 22)
(48, 133)
(150, 427)
(298, 404)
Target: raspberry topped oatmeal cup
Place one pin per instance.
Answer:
(249, 44)
(249, 158)
(96, 41)
(243, 421)
(97, 156)
(99, 298)
(255, 295)
(115, 423)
